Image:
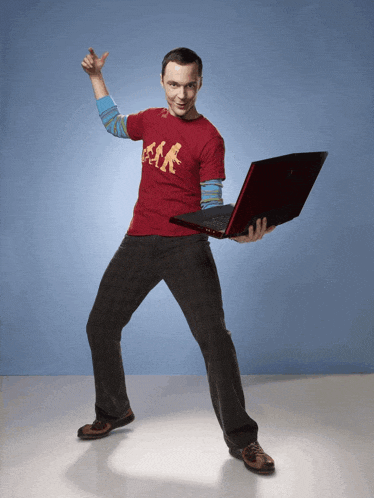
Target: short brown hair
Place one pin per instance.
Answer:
(183, 56)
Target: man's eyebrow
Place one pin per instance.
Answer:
(176, 83)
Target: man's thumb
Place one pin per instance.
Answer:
(104, 56)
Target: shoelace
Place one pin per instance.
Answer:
(255, 451)
(98, 425)
(256, 448)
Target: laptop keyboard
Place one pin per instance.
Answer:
(217, 223)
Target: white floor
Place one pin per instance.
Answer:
(318, 429)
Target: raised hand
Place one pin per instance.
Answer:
(92, 64)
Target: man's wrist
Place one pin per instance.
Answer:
(97, 76)
(98, 85)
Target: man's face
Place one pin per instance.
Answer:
(181, 84)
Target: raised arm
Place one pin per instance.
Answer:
(114, 122)
(93, 65)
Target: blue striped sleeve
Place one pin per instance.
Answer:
(114, 122)
(211, 193)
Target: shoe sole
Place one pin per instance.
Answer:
(115, 425)
(237, 453)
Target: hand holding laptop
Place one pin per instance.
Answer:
(253, 236)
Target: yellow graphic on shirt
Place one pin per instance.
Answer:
(170, 158)
(159, 152)
(147, 151)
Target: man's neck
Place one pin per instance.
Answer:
(194, 115)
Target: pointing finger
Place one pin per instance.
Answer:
(92, 51)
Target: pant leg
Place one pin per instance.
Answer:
(126, 282)
(189, 270)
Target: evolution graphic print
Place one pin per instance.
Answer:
(156, 156)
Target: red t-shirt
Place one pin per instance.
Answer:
(177, 156)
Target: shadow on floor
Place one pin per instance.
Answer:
(92, 474)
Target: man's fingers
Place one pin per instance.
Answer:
(92, 52)
(258, 230)
(250, 233)
(257, 233)
(264, 226)
(94, 56)
(86, 65)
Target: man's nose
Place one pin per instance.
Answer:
(182, 94)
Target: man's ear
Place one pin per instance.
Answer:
(201, 82)
(162, 83)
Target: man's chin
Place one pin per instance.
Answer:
(180, 112)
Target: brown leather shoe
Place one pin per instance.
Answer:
(99, 429)
(254, 458)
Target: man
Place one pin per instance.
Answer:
(182, 171)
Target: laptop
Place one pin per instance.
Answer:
(276, 188)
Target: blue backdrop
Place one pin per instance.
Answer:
(279, 77)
